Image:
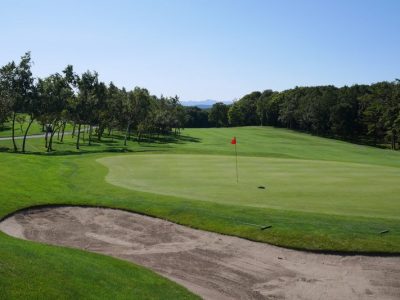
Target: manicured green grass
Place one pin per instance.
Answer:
(291, 184)
(319, 219)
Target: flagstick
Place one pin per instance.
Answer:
(237, 174)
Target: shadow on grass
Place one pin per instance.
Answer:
(109, 143)
(83, 152)
(112, 144)
(5, 128)
(167, 139)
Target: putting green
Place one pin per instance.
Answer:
(291, 184)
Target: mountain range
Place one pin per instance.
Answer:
(203, 104)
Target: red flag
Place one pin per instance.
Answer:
(233, 142)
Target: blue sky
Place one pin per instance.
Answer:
(208, 49)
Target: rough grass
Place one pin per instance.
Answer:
(32, 271)
(71, 177)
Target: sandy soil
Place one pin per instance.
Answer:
(211, 265)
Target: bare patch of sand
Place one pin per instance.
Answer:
(211, 265)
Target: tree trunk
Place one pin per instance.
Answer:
(26, 133)
(100, 131)
(90, 134)
(50, 145)
(392, 142)
(13, 133)
(62, 131)
(126, 133)
(83, 133)
(79, 135)
(73, 130)
(46, 137)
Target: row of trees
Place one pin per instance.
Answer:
(81, 100)
(362, 113)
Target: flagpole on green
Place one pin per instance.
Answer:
(237, 173)
(233, 142)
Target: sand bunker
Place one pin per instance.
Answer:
(211, 265)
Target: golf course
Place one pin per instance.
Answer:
(294, 190)
(216, 150)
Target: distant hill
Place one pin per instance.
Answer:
(202, 104)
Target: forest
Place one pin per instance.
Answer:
(366, 114)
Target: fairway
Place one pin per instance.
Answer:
(290, 184)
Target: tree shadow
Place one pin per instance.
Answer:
(168, 139)
(108, 143)
(112, 144)
(5, 128)
(83, 152)
(4, 149)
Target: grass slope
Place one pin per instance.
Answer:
(71, 177)
(33, 271)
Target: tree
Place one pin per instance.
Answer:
(27, 92)
(314, 107)
(218, 116)
(113, 117)
(101, 113)
(4, 109)
(236, 115)
(54, 92)
(17, 85)
(373, 111)
(135, 106)
(272, 109)
(177, 113)
(11, 94)
(167, 113)
(244, 111)
(287, 108)
(197, 117)
(82, 106)
(344, 115)
(262, 106)
(5, 97)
